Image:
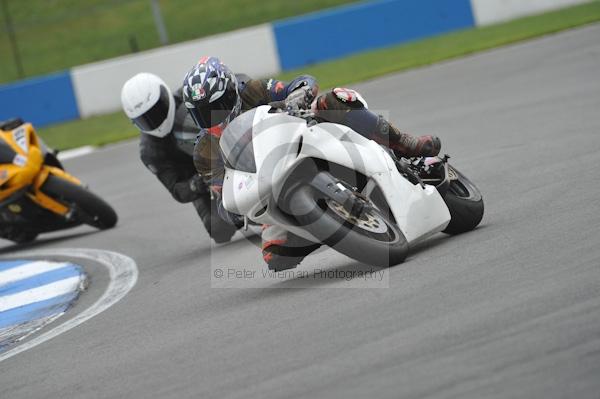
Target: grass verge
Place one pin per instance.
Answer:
(56, 35)
(114, 127)
(96, 131)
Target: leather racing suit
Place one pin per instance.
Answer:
(170, 159)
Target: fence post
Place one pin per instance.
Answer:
(12, 39)
(159, 22)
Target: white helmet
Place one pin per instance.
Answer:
(148, 102)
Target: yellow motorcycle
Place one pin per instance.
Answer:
(36, 194)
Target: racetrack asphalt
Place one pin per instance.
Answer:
(511, 310)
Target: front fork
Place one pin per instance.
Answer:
(45, 201)
(329, 187)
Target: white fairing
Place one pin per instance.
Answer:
(419, 212)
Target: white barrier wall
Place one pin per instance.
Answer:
(488, 12)
(255, 51)
(97, 86)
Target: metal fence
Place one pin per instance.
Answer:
(41, 36)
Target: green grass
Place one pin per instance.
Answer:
(113, 127)
(54, 35)
(424, 52)
(96, 131)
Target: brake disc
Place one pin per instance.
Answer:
(368, 220)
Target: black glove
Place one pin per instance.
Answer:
(197, 184)
(301, 98)
(229, 217)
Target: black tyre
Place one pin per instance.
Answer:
(370, 238)
(91, 209)
(465, 203)
(23, 237)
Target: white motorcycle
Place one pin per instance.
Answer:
(330, 185)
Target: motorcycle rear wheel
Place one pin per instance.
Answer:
(95, 211)
(465, 204)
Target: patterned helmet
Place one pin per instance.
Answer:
(210, 94)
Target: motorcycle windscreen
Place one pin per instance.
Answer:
(236, 143)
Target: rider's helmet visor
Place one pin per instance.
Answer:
(156, 115)
(213, 113)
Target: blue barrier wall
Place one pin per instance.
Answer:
(350, 29)
(41, 101)
(298, 41)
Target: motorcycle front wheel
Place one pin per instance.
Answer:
(369, 237)
(92, 209)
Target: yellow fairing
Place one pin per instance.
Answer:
(25, 165)
(44, 200)
(28, 169)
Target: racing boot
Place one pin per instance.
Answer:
(347, 107)
(283, 250)
(404, 144)
(218, 229)
(18, 236)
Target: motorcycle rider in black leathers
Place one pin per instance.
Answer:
(214, 96)
(167, 144)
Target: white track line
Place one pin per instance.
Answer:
(123, 276)
(76, 152)
(40, 323)
(40, 293)
(29, 270)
